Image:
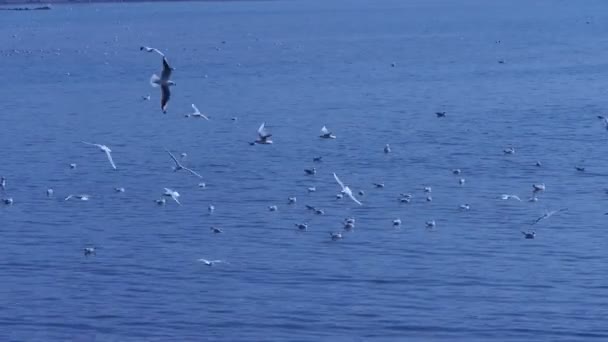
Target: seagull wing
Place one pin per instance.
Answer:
(192, 172)
(196, 111)
(67, 198)
(165, 95)
(350, 194)
(174, 160)
(339, 181)
(515, 197)
(109, 154)
(175, 198)
(166, 73)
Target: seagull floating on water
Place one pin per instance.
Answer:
(119, 189)
(430, 224)
(302, 226)
(89, 251)
(273, 208)
(326, 134)
(440, 114)
(73, 166)
(178, 166)
(317, 159)
(312, 189)
(3, 183)
(378, 185)
(211, 208)
(529, 235)
(509, 150)
(49, 192)
(164, 82)
(161, 201)
(387, 148)
(8, 201)
(397, 222)
(216, 230)
(461, 181)
(106, 150)
(465, 206)
(312, 171)
(539, 187)
(291, 200)
(335, 236)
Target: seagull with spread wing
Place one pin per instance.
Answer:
(178, 166)
(263, 136)
(164, 82)
(105, 149)
(346, 190)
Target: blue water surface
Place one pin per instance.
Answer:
(374, 72)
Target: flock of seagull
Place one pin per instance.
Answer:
(264, 137)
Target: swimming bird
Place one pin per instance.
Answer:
(508, 197)
(465, 206)
(210, 262)
(430, 224)
(529, 235)
(49, 192)
(291, 200)
(326, 134)
(164, 82)
(312, 189)
(145, 98)
(73, 166)
(548, 214)
(106, 150)
(397, 222)
(440, 114)
(580, 168)
(151, 49)
(538, 187)
(197, 113)
(89, 251)
(533, 199)
(335, 236)
(202, 185)
(8, 201)
(387, 148)
(263, 136)
(173, 194)
(211, 208)
(346, 190)
(538, 164)
(456, 171)
(604, 121)
(82, 197)
(178, 166)
(339, 196)
(461, 181)
(273, 208)
(378, 185)
(216, 230)
(317, 159)
(310, 207)
(509, 150)
(319, 211)
(3, 183)
(312, 171)
(161, 201)
(428, 189)
(119, 189)
(302, 226)
(361, 193)
(429, 198)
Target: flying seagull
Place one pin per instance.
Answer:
(164, 83)
(346, 190)
(197, 113)
(326, 134)
(507, 197)
(105, 149)
(209, 262)
(151, 49)
(178, 166)
(548, 214)
(264, 136)
(173, 194)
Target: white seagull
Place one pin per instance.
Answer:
(82, 197)
(197, 113)
(105, 149)
(173, 194)
(346, 190)
(508, 197)
(210, 262)
(164, 83)
(151, 49)
(263, 136)
(326, 134)
(178, 166)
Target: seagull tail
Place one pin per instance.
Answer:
(154, 80)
